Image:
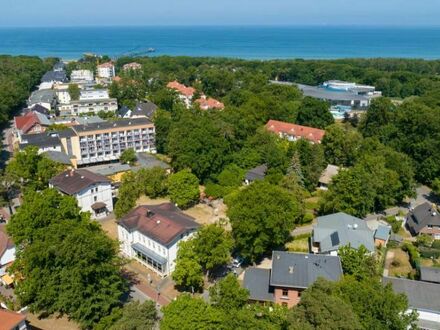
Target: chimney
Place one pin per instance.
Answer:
(158, 221)
(72, 171)
(290, 269)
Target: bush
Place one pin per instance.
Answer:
(308, 217)
(429, 253)
(183, 188)
(436, 244)
(414, 255)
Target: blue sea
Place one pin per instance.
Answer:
(237, 42)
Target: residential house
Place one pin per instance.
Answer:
(185, 93)
(290, 275)
(327, 176)
(45, 85)
(424, 219)
(151, 235)
(430, 274)
(81, 76)
(54, 77)
(142, 109)
(87, 105)
(97, 142)
(59, 66)
(10, 320)
(293, 132)
(340, 229)
(45, 98)
(93, 192)
(7, 255)
(255, 174)
(207, 103)
(132, 66)
(30, 123)
(106, 70)
(422, 297)
(37, 108)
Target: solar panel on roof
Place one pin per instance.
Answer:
(335, 238)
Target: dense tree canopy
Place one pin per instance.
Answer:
(60, 252)
(314, 113)
(183, 188)
(262, 216)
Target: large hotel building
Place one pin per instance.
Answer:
(97, 142)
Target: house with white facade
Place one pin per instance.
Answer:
(81, 76)
(185, 93)
(92, 191)
(151, 234)
(7, 255)
(106, 70)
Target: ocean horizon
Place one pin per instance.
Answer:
(246, 42)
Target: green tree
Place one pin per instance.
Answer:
(128, 156)
(436, 186)
(378, 116)
(341, 144)
(314, 113)
(320, 308)
(262, 216)
(188, 273)
(32, 169)
(74, 92)
(162, 122)
(376, 305)
(78, 262)
(228, 294)
(128, 194)
(183, 188)
(188, 313)
(358, 262)
(152, 182)
(309, 160)
(136, 316)
(212, 246)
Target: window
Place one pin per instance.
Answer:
(285, 293)
(95, 198)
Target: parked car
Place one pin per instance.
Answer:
(237, 261)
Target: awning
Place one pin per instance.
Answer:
(149, 253)
(98, 206)
(7, 279)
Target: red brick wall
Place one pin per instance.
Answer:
(292, 298)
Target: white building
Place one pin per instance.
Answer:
(94, 94)
(185, 93)
(7, 250)
(78, 107)
(81, 76)
(63, 96)
(106, 70)
(92, 191)
(151, 235)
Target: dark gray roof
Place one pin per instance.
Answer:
(37, 108)
(73, 181)
(340, 229)
(299, 270)
(422, 216)
(147, 109)
(257, 173)
(42, 140)
(59, 157)
(59, 66)
(256, 280)
(110, 124)
(421, 295)
(430, 274)
(42, 96)
(109, 169)
(328, 94)
(123, 111)
(54, 76)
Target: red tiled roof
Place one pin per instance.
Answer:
(106, 65)
(210, 103)
(9, 320)
(182, 89)
(163, 223)
(26, 122)
(312, 134)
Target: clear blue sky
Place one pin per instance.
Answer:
(218, 12)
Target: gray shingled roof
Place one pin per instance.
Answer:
(110, 124)
(147, 109)
(72, 182)
(59, 157)
(329, 172)
(54, 76)
(301, 270)
(256, 280)
(340, 229)
(382, 232)
(257, 173)
(42, 140)
(421, 295)
(430, 274)
(42, 96)
(422, 216)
